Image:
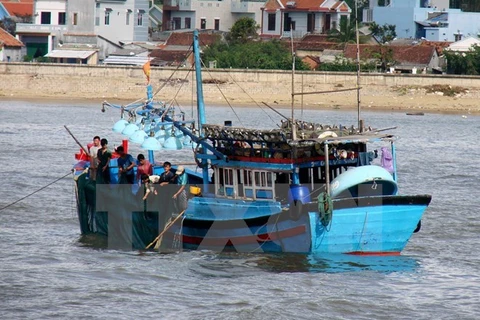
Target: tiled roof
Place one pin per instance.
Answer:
(307, 5)
(438, 45)
(319, 46)
(168, 56)
(186, 39)
(8, 40)
(19, 8)
(401, 54)
(318, 42)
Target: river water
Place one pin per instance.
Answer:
(48, 271)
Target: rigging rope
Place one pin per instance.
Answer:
(169, 78)
(223, 95)
(38, 190)
(244, 91)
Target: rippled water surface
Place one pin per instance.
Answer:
(48, 271)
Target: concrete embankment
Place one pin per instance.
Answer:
(242, 87)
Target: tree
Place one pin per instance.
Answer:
(252, 55)
(10, 23)
(384, 56)
(346, 34)
(467, 63)
(383, 33)
(243, 30)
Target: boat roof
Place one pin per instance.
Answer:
(334, 135)
(357, 138)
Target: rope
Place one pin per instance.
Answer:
(244, 91)
(169, 78)
(173, 100)
(223, 95)
(30, 194)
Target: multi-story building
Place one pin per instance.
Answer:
(208, 14)
(429, 19)
(100, 24)
(282, 18)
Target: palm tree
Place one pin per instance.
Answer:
(346, 33)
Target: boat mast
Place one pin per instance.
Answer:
(358, 65)
(200, 104)
(294, 129)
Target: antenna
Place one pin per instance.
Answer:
(294, 129)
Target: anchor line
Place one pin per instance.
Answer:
(38, 190)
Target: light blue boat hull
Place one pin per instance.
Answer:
(370, 225)
(376, 229)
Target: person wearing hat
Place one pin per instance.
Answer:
(181, 195)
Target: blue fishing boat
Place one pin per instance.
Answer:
(301, 187)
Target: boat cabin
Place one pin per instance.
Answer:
(264, 164)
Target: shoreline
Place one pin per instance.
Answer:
(403, 104)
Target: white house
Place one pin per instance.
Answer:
(280, 17)
(464, 45)
(201, 14)
(92, 25)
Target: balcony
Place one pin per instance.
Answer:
(242, 6)
(296, 34)
(40, 28)
(177, 5)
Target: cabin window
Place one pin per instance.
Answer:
(244, 183)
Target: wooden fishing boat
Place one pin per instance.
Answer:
(303, 187)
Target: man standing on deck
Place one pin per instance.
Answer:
(93, 157)
(125, 166)
(104, 156)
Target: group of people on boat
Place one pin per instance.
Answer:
(100, 157)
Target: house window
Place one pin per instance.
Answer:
(127, 17)
(217, 24)
(45, 18)
(97, 21)
(62, 18)
(107, 16)
(203, 24)
(272, 21)
(140, 17)
(75, 19)
(188, 23)
(177, 23)
(458, 36)
(311, 22)
(288, 21)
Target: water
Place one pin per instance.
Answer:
(47, 272)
